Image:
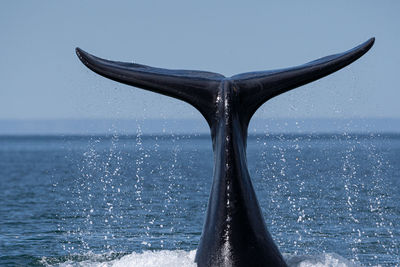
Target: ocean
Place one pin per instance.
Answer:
(140, 200)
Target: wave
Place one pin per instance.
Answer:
(173, 258)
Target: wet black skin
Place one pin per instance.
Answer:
(234, 232)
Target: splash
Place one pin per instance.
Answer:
(173, 258)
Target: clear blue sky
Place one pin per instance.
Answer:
(41, 78)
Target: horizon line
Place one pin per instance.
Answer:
(194, 126)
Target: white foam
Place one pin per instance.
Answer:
(163, 258)
(321, 260)
(173, 258)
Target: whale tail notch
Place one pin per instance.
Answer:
(200, 88)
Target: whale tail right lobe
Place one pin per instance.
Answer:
(255, 88)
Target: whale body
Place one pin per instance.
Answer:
(234, 232)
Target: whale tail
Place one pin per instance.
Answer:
(234, 233)
(199, 88)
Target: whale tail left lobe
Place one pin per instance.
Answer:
(197, 88)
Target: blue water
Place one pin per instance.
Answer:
(137, 200)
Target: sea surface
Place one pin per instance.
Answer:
(328, 199)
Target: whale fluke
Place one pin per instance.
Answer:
(234, 232)
(199, 88)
